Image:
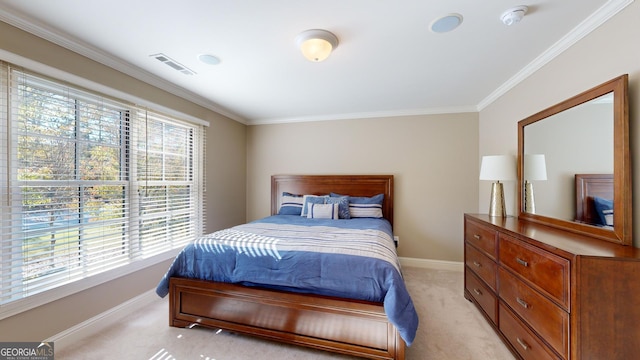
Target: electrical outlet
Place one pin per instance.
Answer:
(396, 238)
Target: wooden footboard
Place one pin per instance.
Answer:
(338, 325)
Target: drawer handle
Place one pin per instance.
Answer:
(477, 264)
(478, 292)
(522, 262)
(522, 343)
(476, 236)
(522, 303)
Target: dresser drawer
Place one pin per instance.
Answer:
(481, 237)
(545, 317)
(547, 272)
(481, 264)
(481, 294)
(525, 342)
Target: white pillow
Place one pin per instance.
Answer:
(365, 210)
(608, 217)
(323, 211)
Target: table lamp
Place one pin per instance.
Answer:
(497, 168)
(535, 168)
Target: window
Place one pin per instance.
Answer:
(89, 184)
(164, 184)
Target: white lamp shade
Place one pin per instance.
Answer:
(316, 45)
(498, 168)
(535, 167)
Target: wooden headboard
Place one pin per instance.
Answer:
(353, 185)
(589, 186)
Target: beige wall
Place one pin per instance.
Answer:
(433, 159)
(226, 167)
(589, 153)
(606, 53)
(226, 163)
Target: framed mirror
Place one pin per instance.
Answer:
(574, 168)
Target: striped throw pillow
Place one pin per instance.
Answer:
(323, 211)
(291, 204)
(368, 207)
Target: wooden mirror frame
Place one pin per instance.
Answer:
(622, 232)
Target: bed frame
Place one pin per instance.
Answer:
(589, 186)
(338, 325)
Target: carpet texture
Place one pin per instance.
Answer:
(450, 328)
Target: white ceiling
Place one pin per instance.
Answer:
(387, 63)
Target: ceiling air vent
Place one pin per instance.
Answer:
(174, 64)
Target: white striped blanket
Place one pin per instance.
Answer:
(270, 239)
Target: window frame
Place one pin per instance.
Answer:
(136, 261)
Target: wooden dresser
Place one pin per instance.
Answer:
(553, 294)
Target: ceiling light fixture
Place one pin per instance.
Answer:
(316, 45)
(514, 15)
(446, 23)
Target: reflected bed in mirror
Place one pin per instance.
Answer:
(586, 134)
(594, 199)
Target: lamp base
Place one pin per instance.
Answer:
(496, 206)
(529, 204)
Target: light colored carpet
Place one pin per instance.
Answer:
(450, 328)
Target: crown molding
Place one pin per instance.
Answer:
(604, 13)
(367, 115)
(64, 40)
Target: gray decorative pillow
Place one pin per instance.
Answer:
(343, 206)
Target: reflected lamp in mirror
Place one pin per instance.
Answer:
(497, 168)
(535, 168)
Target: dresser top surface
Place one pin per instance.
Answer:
(556, 240)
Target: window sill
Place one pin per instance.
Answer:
(31, 302)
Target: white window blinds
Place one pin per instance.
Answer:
(88, 184)
(164, 182)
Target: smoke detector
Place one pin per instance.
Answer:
(514, 15)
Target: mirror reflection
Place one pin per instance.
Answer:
(578, 140)
(585, 144)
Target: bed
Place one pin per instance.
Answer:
(594, 194)
(376, 326)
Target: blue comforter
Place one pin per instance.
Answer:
(353, 258)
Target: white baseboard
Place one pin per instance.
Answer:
(98, 323)
(432, 264)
